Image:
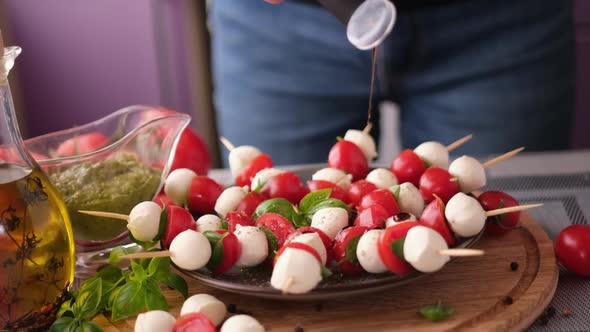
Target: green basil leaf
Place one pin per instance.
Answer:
(216, 256)
(350, 251)
(107, 289)
(89, 327)
(110, 273)
(128, 301)
(162, 227)
(271, 238)
(62, 324)
(153, 297)
(397, 247)
(224, 224)
(213, 237)
(159, 267)
(395, 191)
(176, 282)
(436, 312)
(139, 272)
(329, 202)
(326, 272)
(87, 304)
(312, 198)
(276, 205)
(65, 310)
(117, 253)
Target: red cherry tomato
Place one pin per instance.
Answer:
(325, 239)
(337, 191)
(280, 226)
(231, 251)
(359, 189)
(247, 174)
(433, 217)
(572, 248)
(285, 185)
(179, 220)
(502, 224)
(192, 153)
(348, 157)
(382, 197)
(162, 200)
(250, 202)
(193, 322)
(342, 242)
(202, 195)
(372, 217)
(439, 182)
(408, 167)
(82, 144)
(235, 218)
(394, 263)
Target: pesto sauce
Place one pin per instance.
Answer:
(112, 185)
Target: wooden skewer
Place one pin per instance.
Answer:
(454, 179)
(148, 254)
(111, 215)
(459, 142)
(368, 128)
(502, 157)
(228, 145)
(496, 212)
(288, 285)
(461, 252)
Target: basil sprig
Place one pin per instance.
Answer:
(279, 206)
(436, 312)
(317, 200)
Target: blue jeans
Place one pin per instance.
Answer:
(287, 80)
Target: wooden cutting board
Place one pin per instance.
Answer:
(475, 287)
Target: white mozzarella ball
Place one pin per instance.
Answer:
(208, 222)
(469, 172)
(399, 218)
(465, 215)
(365, 142)
(154, 321)
(333, 175)
(263, 176)
(296, 272)
(144, 221)
(315, 241)
(190, 250)
(242, 323)
(229, 200)
(330, 220)
(367, 252)
(206, 304)
(410, 199)
(177, 184)
(241, 157)
(434, 154)
(382, 178)
(254, 246)
(421, 249)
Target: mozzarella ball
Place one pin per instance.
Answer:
(333, 175)
(365, 142)
(206, 304)
(190, 250)
(410, 199)
(229, 200)
(315, 241)
(254, 245)
(469, 172)
(399, 218)
(421, 249)
(242, 323)
(154, 321)
(263, 176)
(208, 222)
(367, 253)
(177, 184)
(241, 157)
(433, 153)
(330, 220)
(144, 221)
(296, 272)
(465, 215)
(382, 178)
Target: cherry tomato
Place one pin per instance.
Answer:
(439, 182)
(259, 163)
(339, 249)
(202, 195)
(394, 263)
(179, 220)
(280, 226)
(193, 322)
(408, 167)
(382, 197)
(285, 185)
(359, 189)
(82, 144)
(348, 157)
(162, 200)
(250, 202)
(231, 251)
(572, 248)
(502, 224)
(372, 217)
(325, 239)
(337, 191)
(192, 153)
(433, 217)
(235, 218)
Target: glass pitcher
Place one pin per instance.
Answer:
(36, 241)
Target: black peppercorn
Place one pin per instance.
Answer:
(318, 307)
(231, 308)
(551, 312)
(514, 266)
(508, 300)
(299, 329)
